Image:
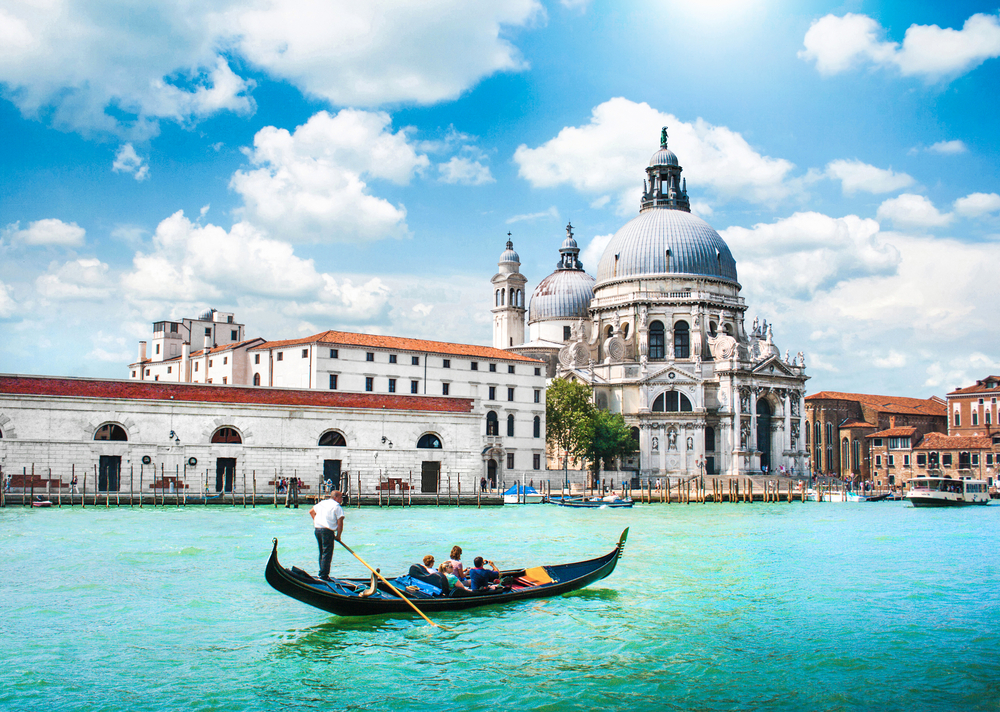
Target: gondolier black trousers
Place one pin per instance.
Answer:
(325, 539)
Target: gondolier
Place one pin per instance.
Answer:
(328, 523)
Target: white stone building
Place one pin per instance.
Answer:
(660, 337)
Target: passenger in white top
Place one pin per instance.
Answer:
(328, 523)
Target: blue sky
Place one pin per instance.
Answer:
(358, 165)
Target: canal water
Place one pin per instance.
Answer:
(714, 607)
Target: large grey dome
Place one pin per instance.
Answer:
(564, 294)
(640, 247)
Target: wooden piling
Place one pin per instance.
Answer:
(458, 483)
(254, 489)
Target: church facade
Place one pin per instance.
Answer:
(659, 335)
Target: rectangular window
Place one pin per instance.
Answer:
(510, 368)
(225, 360)
(536, 461)
(878, 461)
(305, 353)
(510, 394)
(173, 328)
(446, 363)
(538, 372)
(168, 368)
(392, 385)
(234, 335)
(369, 383)
(567, 333)
(414, 386)
(987, 417)
(224, 379)
(989, 458)
(208, 331)
(281, 355)
(475, 366)
(392, 358)
(892, 460)
(133, 374)
(975, 418)
(946, 459)
(157, 348)
(876, 442)
(921, 460)
(493, 392)
(196, 364)
(958, 419)
(493, 368)
(370, 356)
(210, 362)
(334, 353)
(906, 460)
(510, 461)
(208, 381)
(157, 378)
(445, 388)
(333, 381)
(975, 458)
(256, 358)
(414, 360)
(538, 396)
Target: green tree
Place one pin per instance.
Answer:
(569, 419)
(611, 436)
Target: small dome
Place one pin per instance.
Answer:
(664, 157)
(206, 315)
(564, 294)
(569, 244)
(510, 256)
(641, 248)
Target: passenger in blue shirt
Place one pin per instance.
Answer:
(480, 577)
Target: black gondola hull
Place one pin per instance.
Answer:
(568, 577)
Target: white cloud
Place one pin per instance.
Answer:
(552, 212)
(7, 304)
(77, 280)
(855, 175)
(194, 263)
(893, 359)
(701, 209)
(91, 66)
(957, 372)
(977, 204)
(50, 231)
(909, 210)
(837, 44)
(128, 161)
(809, 252)
(948, 148)
(591, 254)
(601, 157)
(423, 309)
(465, 171)
(310, 186)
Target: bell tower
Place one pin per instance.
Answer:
(508, 300)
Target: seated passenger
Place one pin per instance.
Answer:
(456, 562)
(481, 578)
(427, 573)
(454, 582)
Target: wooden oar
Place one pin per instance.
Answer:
(394, 589)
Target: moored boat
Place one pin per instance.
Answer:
(364, 597)
(929, 491)
(611, 501)
(523, 494)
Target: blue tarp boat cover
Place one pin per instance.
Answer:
(519, 489)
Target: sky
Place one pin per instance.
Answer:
(358, 166)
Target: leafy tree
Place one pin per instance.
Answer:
(569, 418)
(611, 437)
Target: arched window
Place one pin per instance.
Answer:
(635, 437)
(510, 425)
(625, 330)
(856, 455)
(713, 329)
(331, 438)
(520, 298)
(728, 328)
(844, 445)
(227, 435)
(256, 379)
(807, 435)
(656, 346)
(430, 441)
(492, 423)
(819, 434)
(829, 459)
(682, 340)
(608, 332)
(537, 427)
(111, 431)
(671, 402)
(512, 302)
(709, 439)
(829, 434)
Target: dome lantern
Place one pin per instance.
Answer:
(665, 188)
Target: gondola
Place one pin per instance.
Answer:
(595, 503)
(364, 597)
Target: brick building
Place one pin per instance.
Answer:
(840, 426)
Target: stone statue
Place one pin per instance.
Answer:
(663, 137)
(656, 443)
(800, 359)
(690, 443)
(745, 435)
(672, 439)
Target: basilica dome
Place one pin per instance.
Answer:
(665, 238)
(564, 294)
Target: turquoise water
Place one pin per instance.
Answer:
(801, 606)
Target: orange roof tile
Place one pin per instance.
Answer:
(980, 387)
(940, 441)
(856, 424)
(889, 404)
(399, 343)
(201, 352)
(894, 433)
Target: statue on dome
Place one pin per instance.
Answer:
(663, 137)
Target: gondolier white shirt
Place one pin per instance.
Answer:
(328, 513)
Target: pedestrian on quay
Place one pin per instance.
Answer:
(328, 525)
(73, 484)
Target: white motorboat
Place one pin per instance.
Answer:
(523, 494)
(929, 491)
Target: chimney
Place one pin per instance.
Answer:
(892, 421)
(142, 351)
(208, 342)
(184, 372)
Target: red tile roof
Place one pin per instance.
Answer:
(399, 343)
(199, 393)
(980, 387)
(856, 424)
(889, 404)
(940, 441)
(895, 433)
